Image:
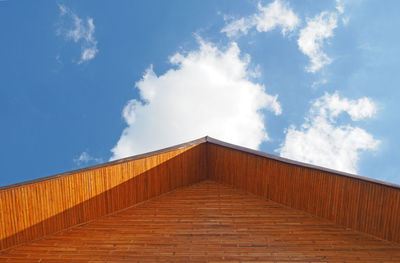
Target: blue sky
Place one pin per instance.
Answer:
(84, 82)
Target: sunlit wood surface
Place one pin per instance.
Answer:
(33, 210)
(206, 222)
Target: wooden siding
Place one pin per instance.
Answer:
(33, 210)
(207, 222)
(361, 205)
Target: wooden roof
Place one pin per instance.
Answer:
(207, 222)
(165, 205)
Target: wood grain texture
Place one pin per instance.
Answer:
(34, 210)
(207, 222)
(361, 205)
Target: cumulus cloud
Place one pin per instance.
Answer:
(322, 142)
(207, 92)
(269, 17)
(85, 158)
(74, 28)
(313, 36)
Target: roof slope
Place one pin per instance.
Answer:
(207, 222)
(35, 209)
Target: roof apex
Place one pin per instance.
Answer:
(208, 139)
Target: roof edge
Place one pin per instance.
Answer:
(205, 139)
(126, 159)
(300, 164)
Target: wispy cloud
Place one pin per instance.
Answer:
(269, 17)
(322, 142)
(85, 158)
(76, 29)
(340, 6)
(208, 92)
(313, 36)
(319, 82)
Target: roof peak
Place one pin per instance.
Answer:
(208, 139)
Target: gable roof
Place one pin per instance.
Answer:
(37, 208)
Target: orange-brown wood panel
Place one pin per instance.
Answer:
(33, 210)
(361, 205)
(207, 222)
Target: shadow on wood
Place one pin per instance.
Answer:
(142, 180)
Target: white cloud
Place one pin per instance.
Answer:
(330, 106)
(345, 20)
(78, 31)
(278, 14)
(319, 82)
(313, 36)
(340, 6)
(275, 14)
(241, 25)
(317, 31)
(85, 158)
(322, 142)
(209, 92)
